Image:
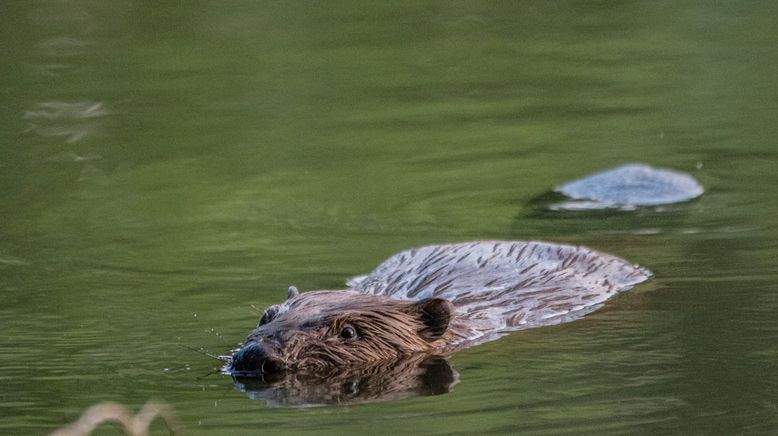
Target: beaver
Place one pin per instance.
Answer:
(432, 301)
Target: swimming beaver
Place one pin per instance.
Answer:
(432, 301)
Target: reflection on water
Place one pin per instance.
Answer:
(419, 376)
(71, 120)
(62, 110)
(64, 46)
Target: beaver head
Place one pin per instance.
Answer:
(320, 331)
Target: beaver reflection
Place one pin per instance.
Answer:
(414, 376)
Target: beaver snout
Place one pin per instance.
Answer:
(255, 360)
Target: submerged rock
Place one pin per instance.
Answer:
(629, 186)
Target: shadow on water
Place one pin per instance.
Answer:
(544, 211)
(416, 376)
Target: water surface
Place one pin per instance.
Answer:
(165, 167)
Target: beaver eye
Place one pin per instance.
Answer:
(348, 332)
(268, 316)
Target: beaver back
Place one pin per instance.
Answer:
(503, 286)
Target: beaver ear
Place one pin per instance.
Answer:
(292, 292)
(436, 314)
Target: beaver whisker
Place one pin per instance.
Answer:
(201, 350)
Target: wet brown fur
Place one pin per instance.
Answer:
(305, 332)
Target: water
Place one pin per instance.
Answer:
(166, 167)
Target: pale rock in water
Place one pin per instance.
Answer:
(629, 186)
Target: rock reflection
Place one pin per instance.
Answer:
(417, 376)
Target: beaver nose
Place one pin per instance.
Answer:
(254, 359)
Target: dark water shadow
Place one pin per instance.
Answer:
(416, 376)
(547, 211)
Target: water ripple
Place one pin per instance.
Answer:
(55, 110)
(73, 120)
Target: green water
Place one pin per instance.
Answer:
(166, 166)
